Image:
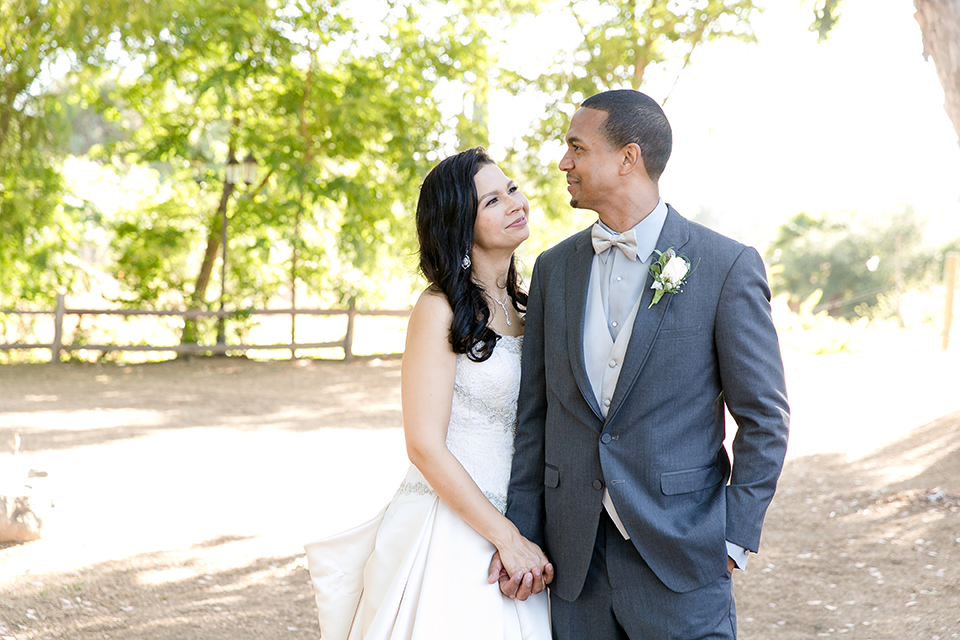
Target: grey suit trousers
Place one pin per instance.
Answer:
(622, 599)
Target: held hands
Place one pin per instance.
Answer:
(519, 565)
(521, 584)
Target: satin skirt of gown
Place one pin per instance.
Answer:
(417, 571)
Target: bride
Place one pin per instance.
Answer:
(419, 569)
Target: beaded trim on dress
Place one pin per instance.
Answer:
(499, 500)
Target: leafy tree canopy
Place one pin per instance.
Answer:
(45, 48)
(339, 108)
(343, 123)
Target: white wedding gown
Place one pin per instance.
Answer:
(417, 571)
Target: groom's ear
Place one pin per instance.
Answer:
(631, 159)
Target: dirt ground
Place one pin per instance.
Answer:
(183, 493)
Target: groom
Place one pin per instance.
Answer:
(620, 473)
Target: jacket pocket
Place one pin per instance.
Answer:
(689, 480)
(551, 476)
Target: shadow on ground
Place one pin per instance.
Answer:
(166, 595)
(78, 405)
(867, 549)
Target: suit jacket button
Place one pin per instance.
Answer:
(597, 485)
(605, 438)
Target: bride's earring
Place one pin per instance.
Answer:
(465, 263)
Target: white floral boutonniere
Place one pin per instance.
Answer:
(669, 272)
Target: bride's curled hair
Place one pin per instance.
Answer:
(446, 215)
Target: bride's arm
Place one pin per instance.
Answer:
(427, 378)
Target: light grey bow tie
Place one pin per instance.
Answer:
(603, 240)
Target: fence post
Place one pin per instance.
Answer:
(293, 329)
(950, 282)
(57, 329)
(348, 338)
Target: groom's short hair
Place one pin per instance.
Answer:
(635, 117)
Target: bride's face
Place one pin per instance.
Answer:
(502, 211)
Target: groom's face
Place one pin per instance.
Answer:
(591, 163)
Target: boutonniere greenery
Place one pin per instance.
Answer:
(669, 271)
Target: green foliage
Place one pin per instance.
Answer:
(344, 125)
(152, 248)
(32, 133)
(340, 110)
(620, 42)
(831, 334)
(826, 14)
(47, 52)
(848, 260)
(950, 246)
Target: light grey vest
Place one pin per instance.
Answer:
(603, 358)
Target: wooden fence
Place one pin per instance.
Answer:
(57, 347)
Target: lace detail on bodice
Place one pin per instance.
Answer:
(483, 422)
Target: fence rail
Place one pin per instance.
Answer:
(57, 347)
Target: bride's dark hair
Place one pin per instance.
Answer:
(446, 215)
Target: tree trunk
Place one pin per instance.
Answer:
(189, 334)
(639, 66)
(940, 26)
(213, 247)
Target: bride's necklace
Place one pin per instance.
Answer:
(503, 305)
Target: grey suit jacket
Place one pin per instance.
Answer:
(660, 450)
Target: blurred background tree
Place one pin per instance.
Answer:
(117, 121)
(46, 49)
(340, 110)
(342, 123)
(850, 261)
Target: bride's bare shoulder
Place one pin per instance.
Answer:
(428, 330)
(432, 309)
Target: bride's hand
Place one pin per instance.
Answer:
(519, 554)
(521, 568)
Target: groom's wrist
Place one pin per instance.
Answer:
(738, 555)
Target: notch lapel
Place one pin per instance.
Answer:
(577, 282)
(647, 324)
